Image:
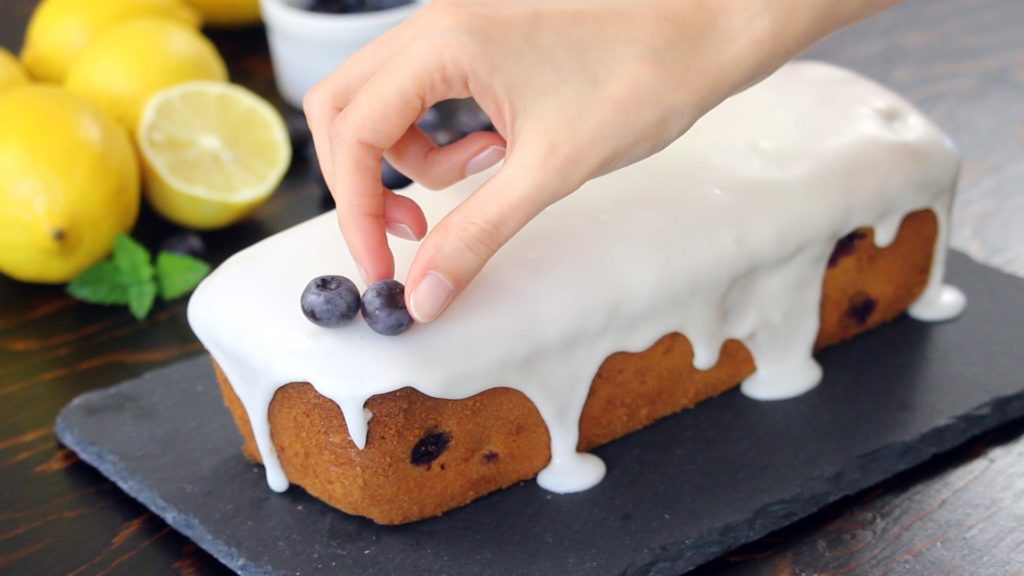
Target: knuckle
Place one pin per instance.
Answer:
(446, 14)
(311, 99)
(352, 129)
(453, 27)
(339, 128)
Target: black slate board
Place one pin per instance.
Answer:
(677, 494)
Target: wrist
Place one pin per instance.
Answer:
(799, 23)
(769, 33)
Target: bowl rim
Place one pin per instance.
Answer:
(288, 14)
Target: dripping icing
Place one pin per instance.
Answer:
(749, 204)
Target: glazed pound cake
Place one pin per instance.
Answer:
(799, 213)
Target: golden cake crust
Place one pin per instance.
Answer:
(425, 455)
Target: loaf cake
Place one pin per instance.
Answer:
(809, 208)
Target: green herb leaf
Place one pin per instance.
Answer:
(141, 298)
(126, 278)
(129, 278)
(132, 258)
(178, 274)
(101, 283)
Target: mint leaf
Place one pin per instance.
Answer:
(101, 283)
(132, 258)
(178, 274)
(141, 298)
(126, 278)
(129, 278)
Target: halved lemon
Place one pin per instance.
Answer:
(212, 152)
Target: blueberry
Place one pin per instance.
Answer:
(385, 4)
(431, 119)
(428, 448)
(330, 301)
(384, 308)
(470, 118)
(438, 122)
(861, 307)
(337, 6)
(444, 136)
(353, 6)
(188, 243)
(392, 178)
(844, 247)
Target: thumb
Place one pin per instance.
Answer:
(459, 246)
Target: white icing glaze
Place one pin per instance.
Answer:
(724, 234)
(939, 304)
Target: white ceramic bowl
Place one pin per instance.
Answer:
(305, 46)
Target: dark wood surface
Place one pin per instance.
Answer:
(961, 61)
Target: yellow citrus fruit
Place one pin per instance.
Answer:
(11, 72)
(212, 152)
(69, 182)
(130, 62)
(228, 13)
(60, 29)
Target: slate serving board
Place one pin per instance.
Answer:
(677, 494)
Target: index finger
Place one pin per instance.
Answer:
(328, 97)
(375, 119)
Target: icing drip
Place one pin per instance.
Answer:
(939, 302)
(782, 339)
(942, 303)
(724, 234)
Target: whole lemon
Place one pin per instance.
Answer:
(11, 72)
(69, 182)
(130, 62)
(228, 13)
(60, 29)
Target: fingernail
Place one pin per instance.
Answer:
(431, 296)
(401, 230)
(485, 160)
(362, 274)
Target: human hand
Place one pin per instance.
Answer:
(574, 88)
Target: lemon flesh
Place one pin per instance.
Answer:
(130, 62)
(212, 152)
(11, 72)
(69, 182)
(59, 30)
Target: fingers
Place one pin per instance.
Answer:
(373, 121)
(458, 247)
(361, 217)
(403, 217)
(330, 95)
(416, 156)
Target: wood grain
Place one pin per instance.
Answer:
(961, 61)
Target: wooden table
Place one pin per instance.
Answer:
(961, 61)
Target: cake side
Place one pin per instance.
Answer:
(425, 455)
